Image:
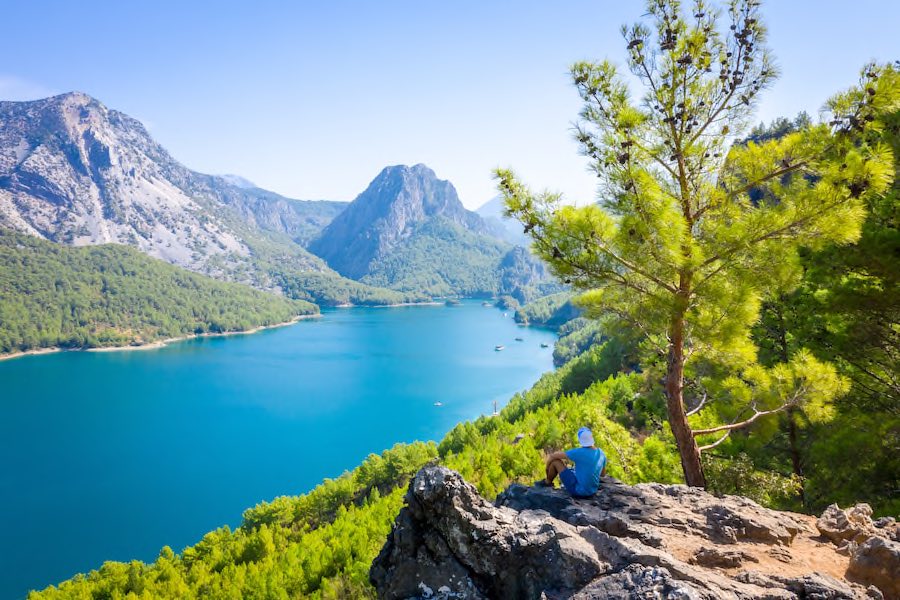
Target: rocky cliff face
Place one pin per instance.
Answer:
(643, 541)
(75, 172)
(398, 202)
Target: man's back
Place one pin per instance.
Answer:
(589, 464)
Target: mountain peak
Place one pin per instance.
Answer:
(75, 96)
(417, 171)
(397, 202)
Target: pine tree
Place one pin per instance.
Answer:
(693, 232)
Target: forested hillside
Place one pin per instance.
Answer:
(441, 258)
(110, 295)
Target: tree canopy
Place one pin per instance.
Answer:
(692, 232)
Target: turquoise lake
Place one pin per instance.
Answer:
(110, 456)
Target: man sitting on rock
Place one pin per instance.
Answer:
(590, 464)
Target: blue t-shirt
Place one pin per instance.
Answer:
(589, 463)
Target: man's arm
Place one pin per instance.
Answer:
(558, 456)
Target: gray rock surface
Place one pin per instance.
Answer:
(873, 546)
(877, 562)
(625, 542)
(853, 524)
(459, 541)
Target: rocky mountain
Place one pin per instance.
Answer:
(76, 172)
(643, 541)
(395, 206)
(409, 231)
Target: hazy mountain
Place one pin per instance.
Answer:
(238, 181)
(75, 172)
(504, 227)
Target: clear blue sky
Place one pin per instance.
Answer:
(312, 99)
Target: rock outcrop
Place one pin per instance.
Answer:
(873, 546)
(643, 541)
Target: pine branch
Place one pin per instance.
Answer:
(716, 443)
(756, 415)
(777, 173)
(699, 407)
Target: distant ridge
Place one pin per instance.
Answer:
(504, 227)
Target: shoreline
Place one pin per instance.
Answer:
(396, 305)
(157, 344)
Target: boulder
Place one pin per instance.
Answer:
(812, 586)
(853, 524)
(726, 559)
(448, 537)
(877, 562)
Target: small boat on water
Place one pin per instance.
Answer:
(498, 348)
(486, 304)
(519, 340)
(545, 345)
(438, 403)
(452, 302)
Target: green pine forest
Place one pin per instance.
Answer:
(112, 295)
(441, 259)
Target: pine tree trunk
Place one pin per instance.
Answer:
(796, 458)
(684, 438)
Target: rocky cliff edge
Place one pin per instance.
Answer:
(642, 541)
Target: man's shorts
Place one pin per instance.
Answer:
(569, 481)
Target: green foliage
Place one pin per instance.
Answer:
(441, 259)
(330, 289)
(550, 311)
(577, 336)
(690, 236)
(57, 296)
(847, 311)
(738, 475)
(507, 303)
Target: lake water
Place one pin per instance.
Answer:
(110, 456)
